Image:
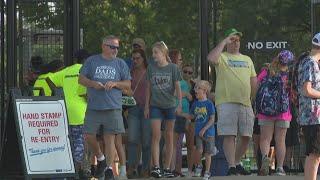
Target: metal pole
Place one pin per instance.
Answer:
(204, 39)
(2, 85)
(11, 48)
(75, 25)
(67, 33)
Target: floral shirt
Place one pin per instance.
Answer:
(309, 108)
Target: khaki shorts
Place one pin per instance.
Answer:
(235, 119)
(274, 123)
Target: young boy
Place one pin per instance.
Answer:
(203, 110)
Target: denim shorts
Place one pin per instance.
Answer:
(167, 114)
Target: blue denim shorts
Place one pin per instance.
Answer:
(167, 114)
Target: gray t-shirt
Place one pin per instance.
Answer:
(99, 69)
(162, 80)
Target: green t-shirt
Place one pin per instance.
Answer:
(41, 83)
(68, 80)
(162, 84)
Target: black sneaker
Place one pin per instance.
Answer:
(177, 174)
(167, 173)
(232, 172)
(84, 174)
(101, 166)
(108, 174)
(241, 170)
(156, 172)
(93, 170)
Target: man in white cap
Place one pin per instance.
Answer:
(137, 43)
(309, 107)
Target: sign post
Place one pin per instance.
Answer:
(42, 131)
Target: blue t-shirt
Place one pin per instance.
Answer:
(202, 110)
(99, 69)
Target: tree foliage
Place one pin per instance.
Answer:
(177, 23)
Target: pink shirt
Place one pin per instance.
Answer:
(286, 116)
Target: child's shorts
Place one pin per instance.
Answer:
(207, 144)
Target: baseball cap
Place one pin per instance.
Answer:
(285, 57)
(232, 31)
(316, 39)
(140, 42)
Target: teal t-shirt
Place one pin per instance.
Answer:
(185, 87)
(162, 84)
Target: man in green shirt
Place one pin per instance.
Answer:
(76, 105)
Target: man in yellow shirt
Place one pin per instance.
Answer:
(47, 70)
(236, 84)
(76, 106)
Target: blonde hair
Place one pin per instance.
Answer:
(206, 85)
(163, 48)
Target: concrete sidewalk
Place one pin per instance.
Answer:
(252, 177)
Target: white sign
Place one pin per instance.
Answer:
(267, 45)
(44, 135)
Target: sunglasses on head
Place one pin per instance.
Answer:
(112, 46)
(188, 72)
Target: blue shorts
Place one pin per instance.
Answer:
(167, 114)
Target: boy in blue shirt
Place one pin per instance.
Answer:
(203, 110)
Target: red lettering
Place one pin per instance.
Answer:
(34, 139)
(30, 116)
(44, 131)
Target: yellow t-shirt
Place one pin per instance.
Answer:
(42, 83)
(233, 79)
(68, 80)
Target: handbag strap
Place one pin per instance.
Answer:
(138, 82)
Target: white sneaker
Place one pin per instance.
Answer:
(190, 174)
(122, 177)
(206, 176)
(198, 171)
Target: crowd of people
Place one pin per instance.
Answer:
(169, 103)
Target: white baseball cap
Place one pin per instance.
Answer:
(316, 39)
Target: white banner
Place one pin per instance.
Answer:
(44, 135)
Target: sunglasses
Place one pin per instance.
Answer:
(188, 72)
(112, 47)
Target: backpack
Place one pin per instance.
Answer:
(272, 97)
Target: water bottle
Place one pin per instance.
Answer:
(247, 164)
